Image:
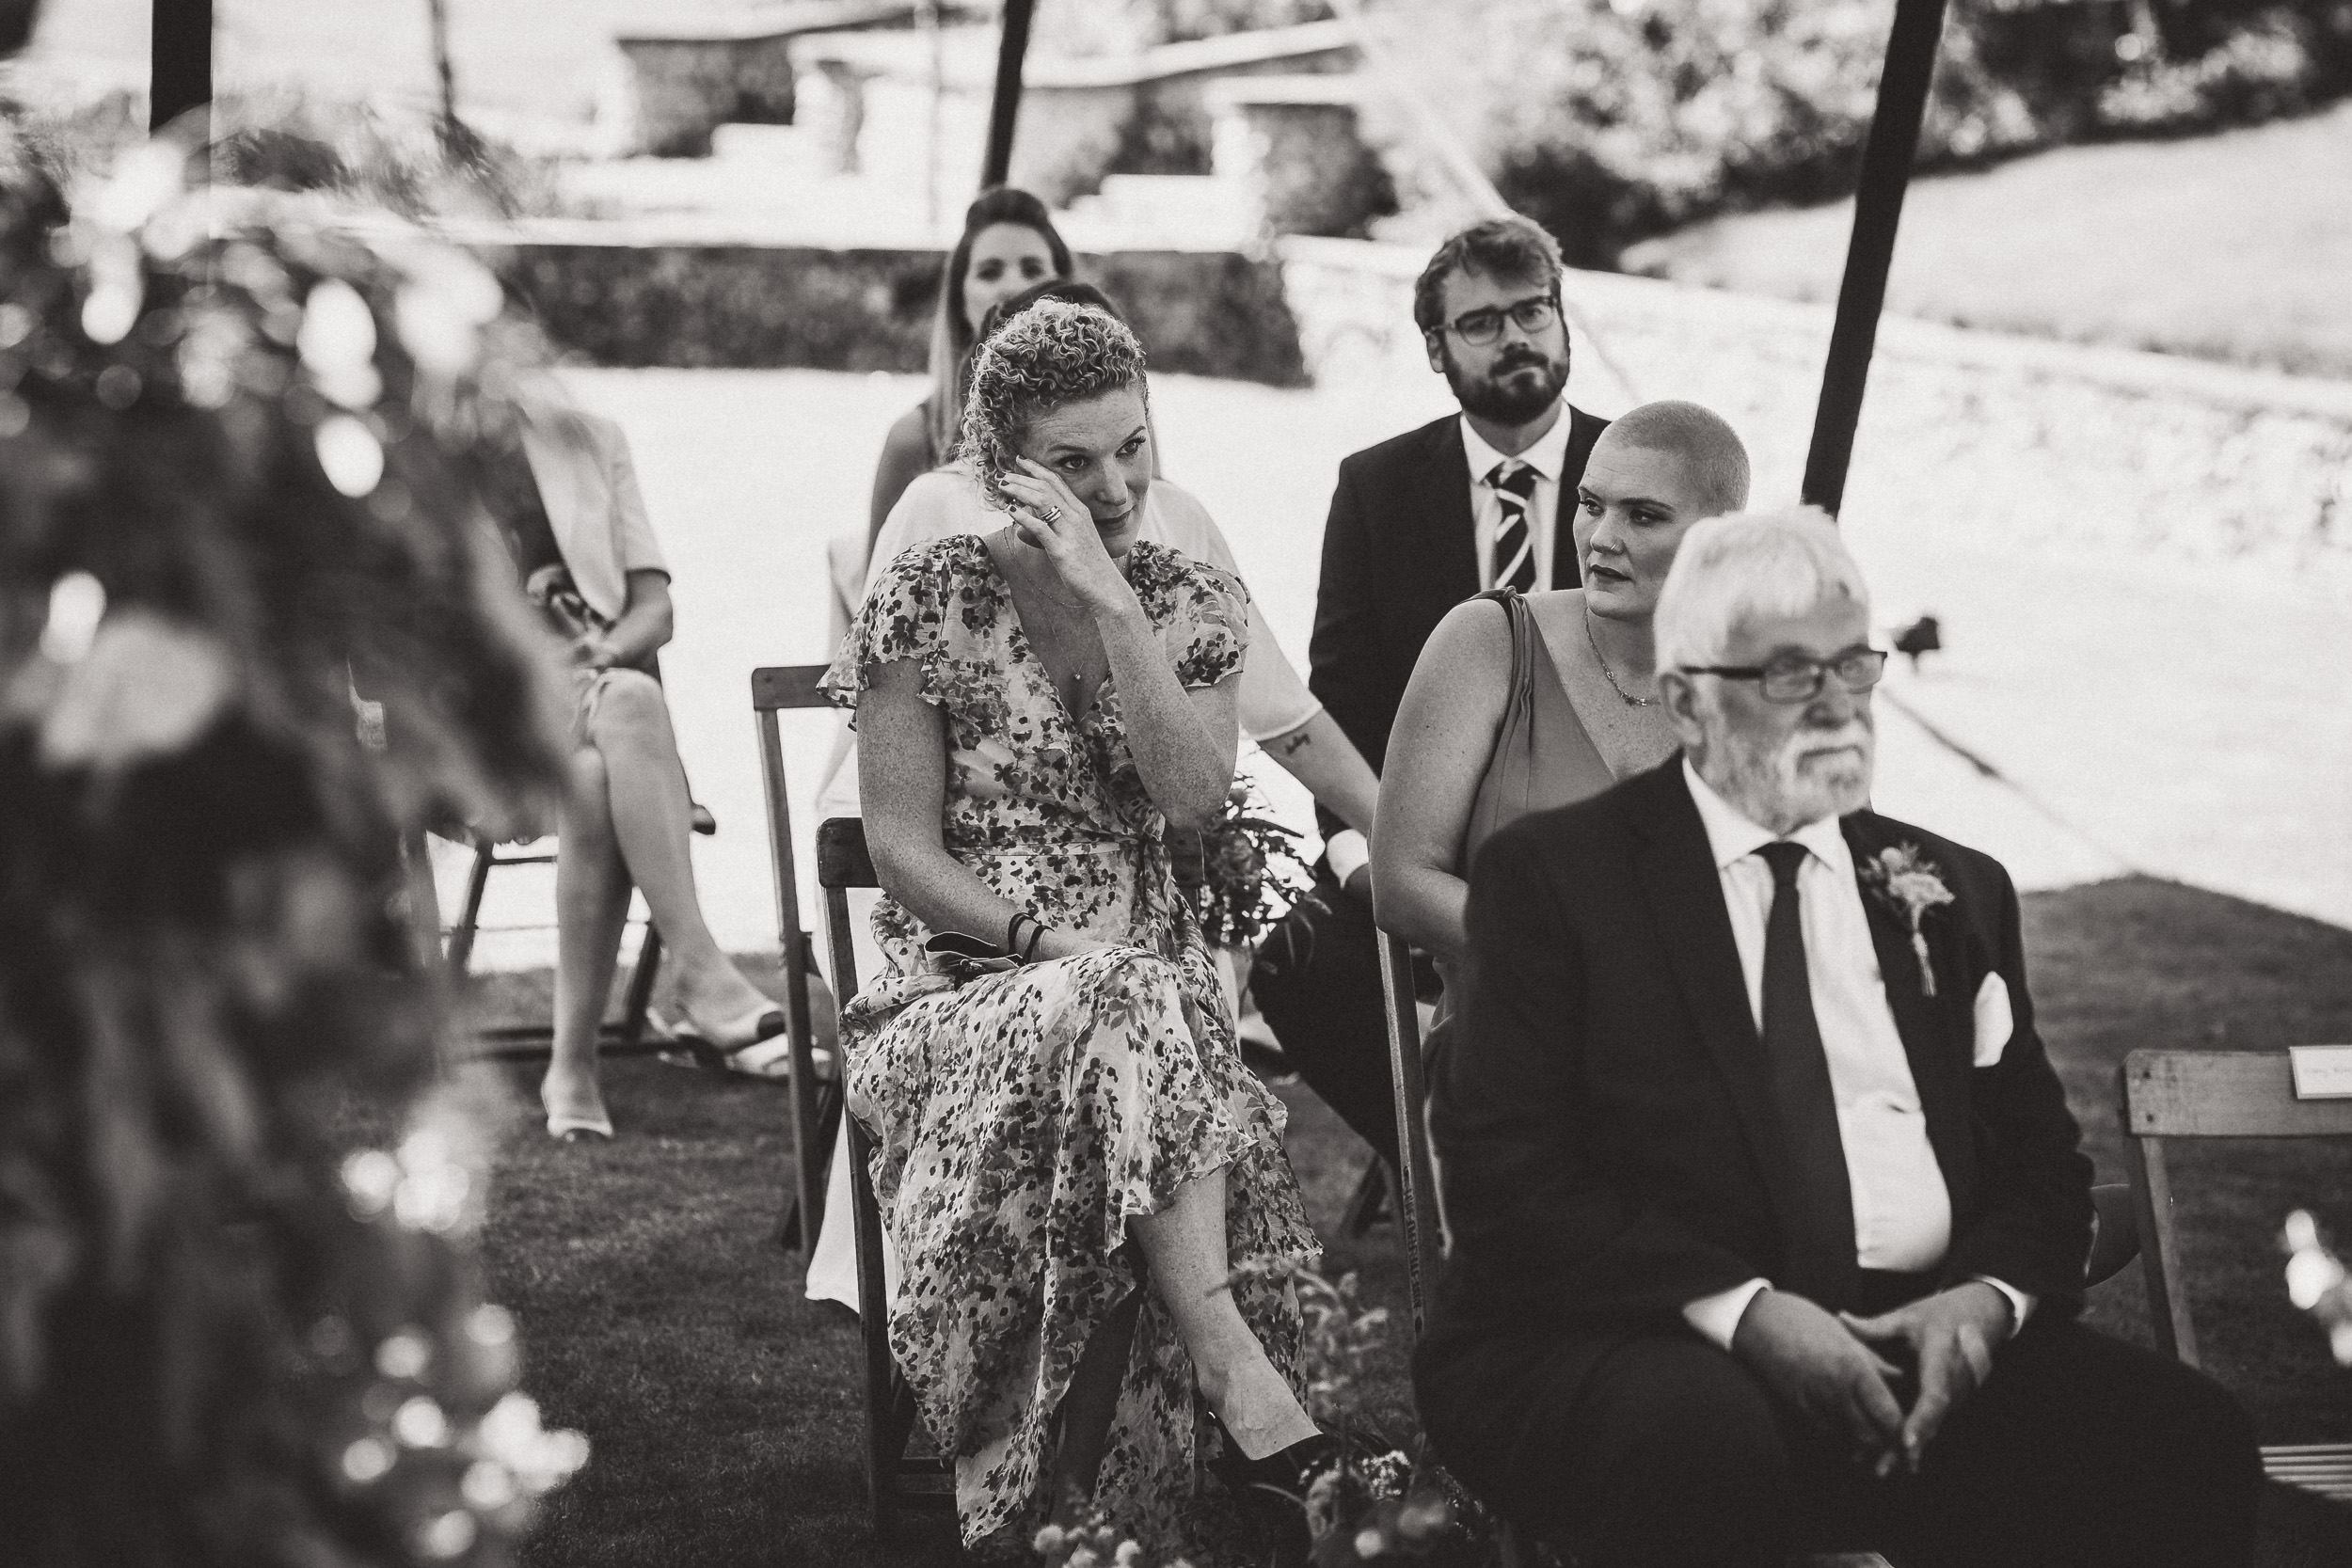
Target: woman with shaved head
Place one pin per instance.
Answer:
(1522, 702)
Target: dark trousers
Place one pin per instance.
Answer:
(2079, 1452)
(1316, 979)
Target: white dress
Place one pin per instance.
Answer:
(1274, 700)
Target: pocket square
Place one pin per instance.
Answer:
(1995, 1021)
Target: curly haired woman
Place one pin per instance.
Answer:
(1072, 1157)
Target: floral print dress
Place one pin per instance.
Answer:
(1024, 1118)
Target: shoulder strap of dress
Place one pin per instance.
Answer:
(1526, 642)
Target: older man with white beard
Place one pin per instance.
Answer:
(1768, 1215)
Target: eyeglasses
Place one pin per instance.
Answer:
(1480, 327)
(1794, 678)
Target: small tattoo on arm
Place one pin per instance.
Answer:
(1291, 743)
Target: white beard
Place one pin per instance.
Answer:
(1795, 783)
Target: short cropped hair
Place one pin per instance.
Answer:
(1052, 353)
(1715, 456)
(1733, 569)
(1497, 248)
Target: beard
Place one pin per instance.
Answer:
(1504, 401)
(1817, 773)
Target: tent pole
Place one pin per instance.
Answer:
(180, 61)
(1006, 102)
(1877, 207)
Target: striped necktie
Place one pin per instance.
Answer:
(1513, 481)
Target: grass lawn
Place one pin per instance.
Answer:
(660, 1317)
(2233, 246)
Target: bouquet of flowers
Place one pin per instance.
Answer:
(1251, 871)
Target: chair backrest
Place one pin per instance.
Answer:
(2203, 1094)
(774, 688)
(842, 863)
(1416, 1204)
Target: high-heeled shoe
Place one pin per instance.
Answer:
(571, 1127)
(719, 1047)
(1273, 1489)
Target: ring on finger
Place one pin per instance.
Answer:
(1051, 515)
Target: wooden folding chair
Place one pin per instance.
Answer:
(523, 1041)
(2217, 1094)
(816, 1106)
(623, 1036)
(1417, 1179)
(894, 1477)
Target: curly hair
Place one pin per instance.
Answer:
(1049, 355)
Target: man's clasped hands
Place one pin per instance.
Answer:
(1852, 1375)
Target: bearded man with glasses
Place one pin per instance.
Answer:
(1769, 1218)
(1480, 500)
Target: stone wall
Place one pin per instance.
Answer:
(683, 89)
(1081, 118)
(647, 299)
(1294, 142)
(686, 76)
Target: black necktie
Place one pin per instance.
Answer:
(1513, 482)
(1821, 1251)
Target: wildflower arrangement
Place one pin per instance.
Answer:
(241, 466)
(1252, 871)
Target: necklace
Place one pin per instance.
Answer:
(1609, 676)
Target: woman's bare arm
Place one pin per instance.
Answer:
(1444, 737)
(1185, 742)
(1319, 754)
(644, 626)
(902, 788)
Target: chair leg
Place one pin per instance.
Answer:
(1370, 1204)
(804, 1200)
(461, 935)
(640, 987)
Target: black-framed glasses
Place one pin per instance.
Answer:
(1794, 678)
(1530, 315)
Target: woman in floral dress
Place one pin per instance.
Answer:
(1037, 709)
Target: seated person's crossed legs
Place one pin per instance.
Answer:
(2078, 1450)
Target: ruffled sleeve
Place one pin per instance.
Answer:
(1208, 624)
(903, 618)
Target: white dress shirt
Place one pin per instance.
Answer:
(1546, 456)
(1903, 1212)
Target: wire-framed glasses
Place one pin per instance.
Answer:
(1795, 679)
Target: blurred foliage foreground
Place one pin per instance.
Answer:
(240, 463)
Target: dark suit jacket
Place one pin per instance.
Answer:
(1604, 1117)
(1398, 552)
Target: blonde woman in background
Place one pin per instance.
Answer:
(1009, 245)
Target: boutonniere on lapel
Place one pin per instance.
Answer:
(1906, 882)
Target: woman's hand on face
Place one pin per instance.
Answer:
(1049, 515)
